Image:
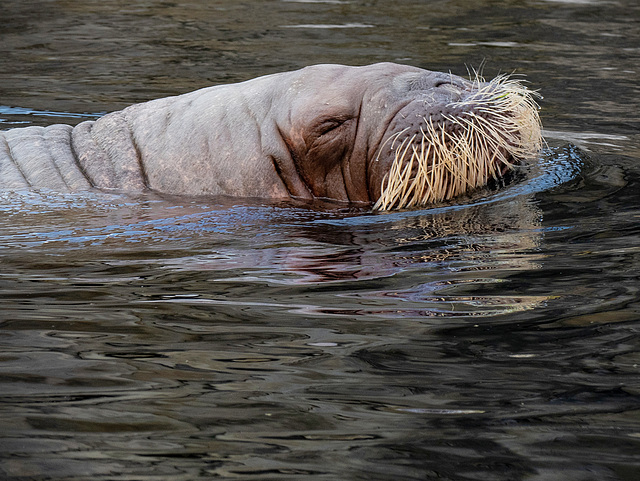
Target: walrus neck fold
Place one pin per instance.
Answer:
(286, 168)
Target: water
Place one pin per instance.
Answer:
(179, 339)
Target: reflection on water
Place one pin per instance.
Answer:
(180, 339)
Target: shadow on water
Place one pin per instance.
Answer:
(181, 338)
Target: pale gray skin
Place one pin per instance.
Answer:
(312, 133)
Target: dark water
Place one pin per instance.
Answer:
(179, 339)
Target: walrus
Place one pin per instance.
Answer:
(387, 135)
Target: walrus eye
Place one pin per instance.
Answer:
(330, 125)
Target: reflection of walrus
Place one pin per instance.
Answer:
(391, 135)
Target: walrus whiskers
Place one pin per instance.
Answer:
(493, 128)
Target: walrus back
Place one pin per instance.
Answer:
(67, 159)
(40, 157)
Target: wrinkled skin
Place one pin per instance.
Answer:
(314, 133)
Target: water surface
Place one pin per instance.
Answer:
(166, 338)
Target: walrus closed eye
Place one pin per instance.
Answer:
(391, 136)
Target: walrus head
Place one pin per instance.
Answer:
(415, 137)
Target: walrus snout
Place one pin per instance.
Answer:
(454, 137)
